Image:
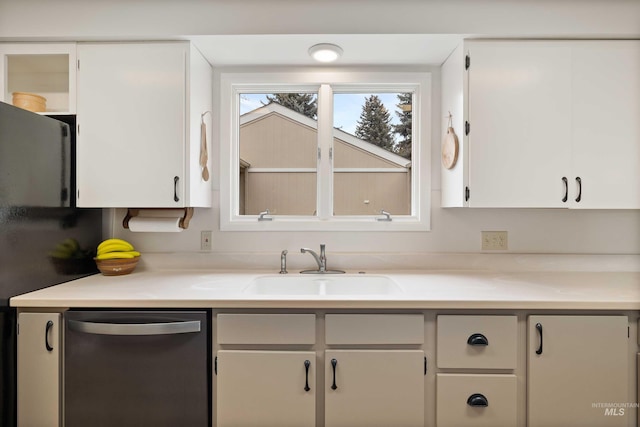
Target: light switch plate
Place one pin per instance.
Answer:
(494, 240)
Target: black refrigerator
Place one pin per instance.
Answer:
(44, 239)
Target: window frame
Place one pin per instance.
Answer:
(324, 83)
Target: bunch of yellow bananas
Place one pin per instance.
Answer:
(67, 249)
(116, 248)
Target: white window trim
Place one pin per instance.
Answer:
(233, 83)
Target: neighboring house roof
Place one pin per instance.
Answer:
(347, 138)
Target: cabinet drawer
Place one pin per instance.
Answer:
(374, 329)
(457, 396)
(479, 342)
(266, 329)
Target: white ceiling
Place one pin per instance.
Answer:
(359, 49)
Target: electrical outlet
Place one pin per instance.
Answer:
(494, 241)
(205, 240)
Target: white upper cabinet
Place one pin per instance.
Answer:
(519, 105)
(44, 69)
(140, 107)
(605, 132)
(551, 124)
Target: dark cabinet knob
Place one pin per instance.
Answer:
(566, 189)
(478, 339)
(579, 182)
(477, 400)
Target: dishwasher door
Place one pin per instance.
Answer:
(137, 368)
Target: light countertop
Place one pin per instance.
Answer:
(419, 290)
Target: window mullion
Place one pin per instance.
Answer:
(325, 144)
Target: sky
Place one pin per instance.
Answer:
(346, 108)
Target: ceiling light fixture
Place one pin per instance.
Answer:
(325, 52)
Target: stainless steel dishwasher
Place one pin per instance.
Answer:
(137, 368)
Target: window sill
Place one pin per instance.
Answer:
(301, 223)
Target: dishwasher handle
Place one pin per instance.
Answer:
(161, 328)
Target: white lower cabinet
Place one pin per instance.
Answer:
(476, 396)
(577, 365)
(372, 388)
(266, 388)
(476, 400)
(39, 362)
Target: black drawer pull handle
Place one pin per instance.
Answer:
(307, 364)
(566, 189)
(539, 328)
(478, 339)
(334, 362)
(579, 181)
(477, 400)
(175, 189)
(46, 335)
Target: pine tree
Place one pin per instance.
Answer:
(303, 103)
(403, 147)
(374, 125)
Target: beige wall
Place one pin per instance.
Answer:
(278, 142)
(368, 193)
(281, 193)
(274, 141)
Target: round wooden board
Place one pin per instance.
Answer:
(450, 149)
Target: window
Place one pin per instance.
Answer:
(325, 151)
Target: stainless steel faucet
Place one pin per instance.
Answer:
(283, 262)
(321, 260)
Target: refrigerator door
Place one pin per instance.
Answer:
(36, 216)
(35, 159)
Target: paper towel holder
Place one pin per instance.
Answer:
(184, 220)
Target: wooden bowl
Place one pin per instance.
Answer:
(30, 101)
(117, 267)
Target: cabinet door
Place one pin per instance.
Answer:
(131, 125)
(39, 369)
(582, 362)
(266, 388)
(371, 388)
(519, 109)
(605, 125)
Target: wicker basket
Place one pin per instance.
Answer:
(30, 101)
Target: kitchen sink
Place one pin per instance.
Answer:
(323, 285)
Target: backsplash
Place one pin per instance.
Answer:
(399, 262)
(453, 231)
